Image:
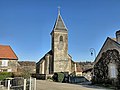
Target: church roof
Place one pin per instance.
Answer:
(59, 24)
(43, 58)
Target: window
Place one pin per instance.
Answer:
(61, 38)
(4, 62)
(112, 71)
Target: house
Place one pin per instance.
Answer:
(81, 67)
(107, 63)
(57, 59)
(78, 69)
(88, 74)
(84, 69)
(8, 59)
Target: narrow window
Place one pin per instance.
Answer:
(61, 38)
(112, 71)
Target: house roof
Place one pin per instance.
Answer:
(6, 52)
(79, 69)
(108, 39)
(88, 70)
(84, 65)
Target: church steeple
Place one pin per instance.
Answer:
(58, 10)
(59, 45)
(59, 24)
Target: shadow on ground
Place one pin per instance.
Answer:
(89, 85)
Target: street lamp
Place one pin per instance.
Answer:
(93, 52)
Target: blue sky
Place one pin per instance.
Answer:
(25, 25)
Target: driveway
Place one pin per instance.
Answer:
(48, 85)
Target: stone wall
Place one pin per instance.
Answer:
(11, 67)
(60, 52)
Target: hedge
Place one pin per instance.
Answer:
(58, 77)
(4, 75)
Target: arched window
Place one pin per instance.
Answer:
(61, 38)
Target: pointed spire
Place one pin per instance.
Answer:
(58, 10)
(59, 24)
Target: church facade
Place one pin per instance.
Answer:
(57, 59)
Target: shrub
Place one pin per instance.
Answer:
(58, 77)
(4, 75)
(26, 75)
(17, 74)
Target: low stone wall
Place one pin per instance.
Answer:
(39, 76)
(77, 79)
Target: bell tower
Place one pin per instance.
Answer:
(59, 45)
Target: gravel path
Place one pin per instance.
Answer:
(47, 85)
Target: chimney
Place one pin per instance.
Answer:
(118, 36)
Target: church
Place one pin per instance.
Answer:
(57, 59)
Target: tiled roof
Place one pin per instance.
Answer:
(82, 66)
(6, 52)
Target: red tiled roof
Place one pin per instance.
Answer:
(6, 52)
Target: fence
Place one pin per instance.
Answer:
(19, 84)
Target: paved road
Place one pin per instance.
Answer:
(47, 85)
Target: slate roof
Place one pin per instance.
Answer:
(6, 52)
(43, 58)
(59, 24)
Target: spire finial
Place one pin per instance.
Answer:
(58, 10)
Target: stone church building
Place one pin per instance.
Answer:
(107, 63)
(57, 59)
